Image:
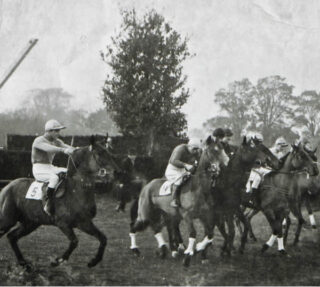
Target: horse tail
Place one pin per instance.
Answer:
(145, 207)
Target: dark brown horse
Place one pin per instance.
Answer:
(75, 209)
(196, 201)
(233, 178)
(279, 194)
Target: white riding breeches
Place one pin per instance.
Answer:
(47, 173)
(256, 175)
(175, 174)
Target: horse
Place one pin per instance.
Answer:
(196, 201)
(279, 195)
(75, 209)
(227, 190)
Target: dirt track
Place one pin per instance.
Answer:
(119, 267)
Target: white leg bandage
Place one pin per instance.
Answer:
(190, 248)
(280, 243)
(271, 240)
(181, 247)
(160, 239)
(312, 220)
(202, 245)
(284, 222)
(133, 241)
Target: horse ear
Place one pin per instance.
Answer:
(244, 140)
(209, 140)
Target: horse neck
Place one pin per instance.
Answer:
(287, 166)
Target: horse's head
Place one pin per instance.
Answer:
(213, 155)
(299, 159)
(95, 160)
(253, 150)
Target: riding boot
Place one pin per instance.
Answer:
(255, 197)
(176, 196)
(49, 206)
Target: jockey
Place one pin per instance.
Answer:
(258, 171)
(43, 151)
(280, 148)
(181, 162)
(218, 134)
(228, 148)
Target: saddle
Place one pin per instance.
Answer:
(38, 189)
(166, 187)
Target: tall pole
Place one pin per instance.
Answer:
(31, 44)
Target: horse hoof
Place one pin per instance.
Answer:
(205, 261)
(186, 260)
(135, 251)
(314, 226)
(284, 253)
(27, 266)
(241, 251)
(93, 263)
(162, 252)
(175, 254)
(264, 248)
(57, 262)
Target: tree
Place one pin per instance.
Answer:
(237, 102)
(146, 90)
(307, 111)
(272, 104)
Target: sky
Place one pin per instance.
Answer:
(231, 40)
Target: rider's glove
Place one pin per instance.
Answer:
(188, 167)
(69, 150)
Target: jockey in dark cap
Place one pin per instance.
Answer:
(229, 149)
(218, 133)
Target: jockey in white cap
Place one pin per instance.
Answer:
(181, 162)
(43, 151)
(258, 172)
(280, 148)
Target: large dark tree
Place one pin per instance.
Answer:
(146, 88)
(307, 111)
(236, 102)
(273, 104)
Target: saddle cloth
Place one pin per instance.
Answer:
(37, 190)
(165, 188)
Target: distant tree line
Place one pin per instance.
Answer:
(269, 107)
(44, 104)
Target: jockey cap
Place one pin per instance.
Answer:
(281, 142)
(53, 125)
(195, 143)
(255, 135)
(218, 133)
(228, 132)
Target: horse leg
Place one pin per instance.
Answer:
(208, 222)
(225, 246)
(89, 228)
(15, 234)
(287, 227)
(278, 230)
(73, 243)
(310, 212)
(188, 253)
(133, 216)
(249, 216)
(231, 231)
(244, 235)
(297, 213)
(269, 214)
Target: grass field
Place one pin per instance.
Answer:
(120, 267)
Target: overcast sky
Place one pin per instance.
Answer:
(232, 40)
